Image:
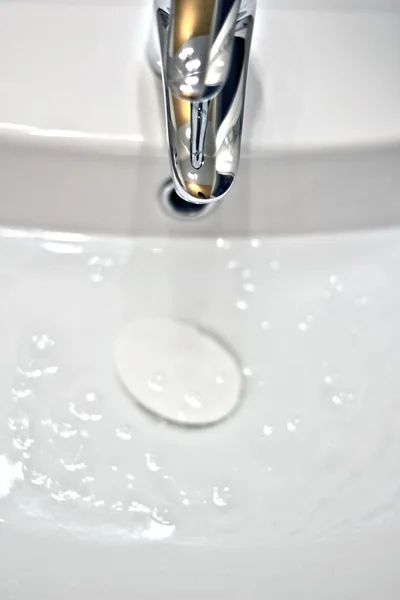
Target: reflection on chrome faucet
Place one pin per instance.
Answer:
(203, 58)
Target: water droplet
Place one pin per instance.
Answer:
(232, 264)
(50, 370)
(82, 406)
(32, 372)
(256, 243)
(151, 463)
(242, 305)
(19, 422)
(220, 379)
(222, 496)
(268, 430)
(114, 468)
(156, 383)
(247, 372)
(336, 283)
(246, 273)
(265, 325)
(64, 495)
(124, 433)
(87, 479)
(91, 397)
(22, 442)
(342, 397)
(99, 503)
(139, 508)
(193, 399)
(275, 265)
(42, 342)
(225, 244)
(38, 478)
(305, 324)
(22, 392)
(328, 380)
(291, 426)
(65, 430)
(35, 359)
(249, 287)
(73, 466)
(157, 251)
(161, 516)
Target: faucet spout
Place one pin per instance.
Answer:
(204, 55)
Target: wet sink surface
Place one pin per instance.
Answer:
(311, 456)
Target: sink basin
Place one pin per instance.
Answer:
(298, 490)
(297, 493)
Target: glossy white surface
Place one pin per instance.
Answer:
(296, 494)
(305, 473)
(322, 74)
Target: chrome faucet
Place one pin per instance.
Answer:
(202, 52)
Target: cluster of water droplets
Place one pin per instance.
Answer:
(55, 431)
(300, 428)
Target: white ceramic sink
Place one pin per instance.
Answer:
(296, 494)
